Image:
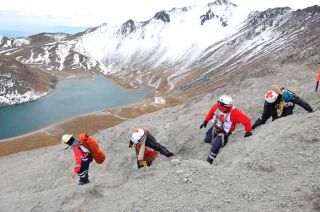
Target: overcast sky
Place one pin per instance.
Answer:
(34, 14)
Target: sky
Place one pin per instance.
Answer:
(33, 15)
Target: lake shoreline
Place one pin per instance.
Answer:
(56, 124)
(90, 123)
(71, 98)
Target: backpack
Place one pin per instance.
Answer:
(287, 96)
(96, 152)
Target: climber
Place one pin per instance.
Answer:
(224, 117)
(82, 158)
(279, 99)
(146, 147)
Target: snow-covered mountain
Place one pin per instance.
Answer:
(6, 42)
(20, 83)
(50, 51)
(181, 48)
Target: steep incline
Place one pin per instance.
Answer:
(276, 169)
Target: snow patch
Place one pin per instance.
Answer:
(20, 42)
(16, 98)
(12, 51)
(76, 59)
(159, 100)
(62, 52)
(7, 44)
(46, 55)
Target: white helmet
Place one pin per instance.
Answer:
(225, 100)
(65, 138)
(138, 135)
(271, 96)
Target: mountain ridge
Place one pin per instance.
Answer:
(166, 54)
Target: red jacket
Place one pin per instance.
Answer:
(236, 117)
(149, 154)
(79, 152)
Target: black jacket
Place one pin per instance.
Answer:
(270, 110)
(152, 143)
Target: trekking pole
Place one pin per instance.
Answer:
(318, 80)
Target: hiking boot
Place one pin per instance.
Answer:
(84, 182)
(210, 160)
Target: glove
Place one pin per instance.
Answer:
(247, 134)
(143, 163)
(130, 144)
(170, 154)
(204, 124)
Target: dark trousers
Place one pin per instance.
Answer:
(270, 111)
(217, 140)
(287, 111)
(84, 169)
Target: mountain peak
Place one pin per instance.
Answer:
(313, 9)
(163, 16)
(274, 12)
(221, 2)
(45, 36)
(127, 27)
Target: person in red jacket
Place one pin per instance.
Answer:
(224, 117)
(82, 158)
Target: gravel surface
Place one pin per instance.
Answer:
(276, 169)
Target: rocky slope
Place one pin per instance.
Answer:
(276, 169)
(20, 83)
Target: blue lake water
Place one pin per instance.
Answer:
(70, 98)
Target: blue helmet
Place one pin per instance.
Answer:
(287, 96)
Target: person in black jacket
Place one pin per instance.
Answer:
(146, 147)
(280, 99)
